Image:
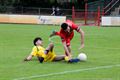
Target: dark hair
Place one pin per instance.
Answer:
(36, 39)
(64, 26)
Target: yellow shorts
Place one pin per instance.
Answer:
(50, 56)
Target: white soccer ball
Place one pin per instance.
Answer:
(82, 57)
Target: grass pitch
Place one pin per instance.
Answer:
(102, 47)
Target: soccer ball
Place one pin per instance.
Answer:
(82, 57)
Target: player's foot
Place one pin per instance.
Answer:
(73, 60)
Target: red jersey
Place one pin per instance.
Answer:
(66, 36)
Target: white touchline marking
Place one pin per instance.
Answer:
(65, 72)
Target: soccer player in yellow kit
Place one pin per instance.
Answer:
(43, 55)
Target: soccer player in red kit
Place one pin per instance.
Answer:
(67, 33)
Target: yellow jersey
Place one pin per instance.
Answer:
(39, 51)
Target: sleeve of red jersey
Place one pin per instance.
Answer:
(77, 28)
(57, 33)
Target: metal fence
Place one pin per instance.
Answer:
(32, 11)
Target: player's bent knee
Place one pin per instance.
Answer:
(51, 45)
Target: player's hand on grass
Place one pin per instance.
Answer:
(25, 59)
(53, 33)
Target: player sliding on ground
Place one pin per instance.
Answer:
(66, 33)
(47, 54)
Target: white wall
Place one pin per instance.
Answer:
(110, 21)
(32, 19)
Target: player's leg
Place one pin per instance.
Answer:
(49, 48)
(59, 58)
(68, 40)
(69, 49)
(67, 58)
(62, 57)
(68, 46)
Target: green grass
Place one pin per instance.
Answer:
(102, 47)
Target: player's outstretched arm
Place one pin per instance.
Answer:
(82, 38)
(28, 58)
(53, 34)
